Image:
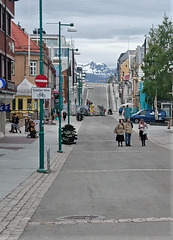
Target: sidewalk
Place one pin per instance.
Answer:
(19, 155)
(159, 135)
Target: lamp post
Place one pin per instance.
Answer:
(60, 83)
(68, 82)
(41, 133)
(70, 29)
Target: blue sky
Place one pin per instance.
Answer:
(105, 29)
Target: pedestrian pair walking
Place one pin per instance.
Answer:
(122, 128)
(15, 124)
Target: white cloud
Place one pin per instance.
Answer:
(105, 28)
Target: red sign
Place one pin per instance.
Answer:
(41, 80)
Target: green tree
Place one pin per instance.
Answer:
(158, 61)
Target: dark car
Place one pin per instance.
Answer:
(148, 116)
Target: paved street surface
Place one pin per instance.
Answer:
(95, 190)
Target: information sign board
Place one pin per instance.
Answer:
(41, 93)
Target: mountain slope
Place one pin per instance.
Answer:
(97, 72)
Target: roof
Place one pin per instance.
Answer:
(124, 56)
(24, 88)
(21, 40)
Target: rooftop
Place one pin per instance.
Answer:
(22, 40)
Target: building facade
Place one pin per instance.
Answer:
(7, 92)
(26, 66)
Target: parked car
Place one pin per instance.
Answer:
(148, 116)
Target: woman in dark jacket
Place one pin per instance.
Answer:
(119, 130)
(142, 131)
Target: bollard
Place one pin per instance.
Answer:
(48, 159)
(169, 125)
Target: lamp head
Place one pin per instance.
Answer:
(72, 28)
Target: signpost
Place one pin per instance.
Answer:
(40, 93)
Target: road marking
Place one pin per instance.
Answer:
(120, 170)
(112, 221)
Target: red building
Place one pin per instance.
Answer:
(6, 56)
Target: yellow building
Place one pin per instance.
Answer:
(23, 104)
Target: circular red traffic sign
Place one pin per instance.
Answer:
(41, 80)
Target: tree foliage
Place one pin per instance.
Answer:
(158, 61)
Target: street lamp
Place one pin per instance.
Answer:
(60, 81)
(68, 82)
(41, 134)
(70, 29)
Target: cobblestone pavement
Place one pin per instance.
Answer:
(18, 207)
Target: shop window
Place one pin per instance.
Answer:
(20, 104)
(29, 104)
(35, 105)
(13, 104)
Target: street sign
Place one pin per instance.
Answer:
(41, 81)
(41, 93)
(5, 108)
(2, 83)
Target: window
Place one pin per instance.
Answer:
(33, 68)
(12, 68)
(14, 104)
(9, 69)
(64, 52)
(51, 42)
(8, 25)
(35, 105)
(143, 113)
(29, 104)
(3, 20)
(20, 104)
(55, 52)
(0, 16)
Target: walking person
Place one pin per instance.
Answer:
(128, 126)
(120, 111)
(15, 122)
(119, 130)
(142, 131)
(64, 115)
(127, 112)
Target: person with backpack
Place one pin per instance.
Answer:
(128, 126)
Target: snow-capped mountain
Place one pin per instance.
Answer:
(97, 72)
